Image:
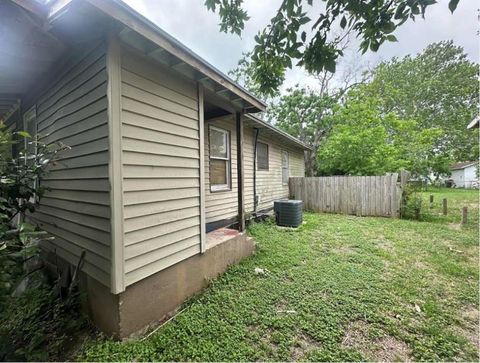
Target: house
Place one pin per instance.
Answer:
(464, 175)
(166, 152)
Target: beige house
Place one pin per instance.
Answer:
(165, 153)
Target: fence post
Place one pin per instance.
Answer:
(431, 201)
(445, 209)
(464, 215)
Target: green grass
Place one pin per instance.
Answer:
(340, 288)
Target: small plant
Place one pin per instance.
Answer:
(36, 321)
(38, 325)
(412, 203)
(20, 194)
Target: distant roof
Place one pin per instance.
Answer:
(474, 123)
(258, 123)
(462, 165)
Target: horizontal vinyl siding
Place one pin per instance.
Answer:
(161, 176)
(223, 204)
(76, 211)
(269, 182)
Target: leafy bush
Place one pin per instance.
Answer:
(412, 203)
(37, 320)
(20, 194)
(38, 325)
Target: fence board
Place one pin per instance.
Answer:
(357, 195)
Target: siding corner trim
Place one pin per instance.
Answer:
(115, 165)
(201, 133)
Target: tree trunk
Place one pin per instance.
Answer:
(310, 163)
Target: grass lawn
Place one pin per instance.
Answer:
(338, 288)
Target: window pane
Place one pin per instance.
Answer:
(218, 172)
(262, 156)
(284, 175)
(284, 159)
(218, 143)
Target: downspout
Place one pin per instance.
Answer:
(255, 200)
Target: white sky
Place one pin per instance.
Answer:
(191, 23)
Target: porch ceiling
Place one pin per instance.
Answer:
(34, 40)
(27, 50)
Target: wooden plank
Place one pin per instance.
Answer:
(395, 207)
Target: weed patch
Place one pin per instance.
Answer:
(340, 288)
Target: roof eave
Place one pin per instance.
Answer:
(124, 14)
(280, 132)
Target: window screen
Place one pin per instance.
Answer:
(262, 156)
(284, 167)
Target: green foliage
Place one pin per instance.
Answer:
(307, 115)
(5, 144)
(437, 88)
(38, 325)
(412, 203)
(334, 273)
(34, 325)
(232, 15)
(243, 74)
(365, 141)
(20, 194)
(285, 39)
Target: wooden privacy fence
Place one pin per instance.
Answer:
(357, 195)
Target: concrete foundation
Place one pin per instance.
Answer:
(157, 297)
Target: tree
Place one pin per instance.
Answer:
(243, 75)
(437, 88)
(305, 114)
(364, 141)
(286, 40)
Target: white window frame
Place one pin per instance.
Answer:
(287, 167)
(228, 186)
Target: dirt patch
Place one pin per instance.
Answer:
(420, 265)
(384, 349)
(385, 244)
(392, 350)
(303, 345)
(471, 331)
(343, 250)
(356, 334)
(455, 226)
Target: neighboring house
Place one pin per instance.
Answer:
(464, 175)
(164, 149)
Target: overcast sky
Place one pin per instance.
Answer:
(191, 23)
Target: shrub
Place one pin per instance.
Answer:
(36, 321)
(412, 203)
(38, 325)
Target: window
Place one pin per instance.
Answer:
(219, 159)
(262, 156)
(284, 167)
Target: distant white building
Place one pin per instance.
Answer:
(464, 175)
